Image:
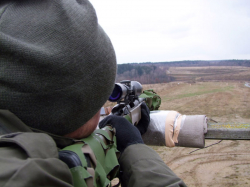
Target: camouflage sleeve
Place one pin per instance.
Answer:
(142, 166)
(34, 163)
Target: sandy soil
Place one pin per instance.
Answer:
(224, 164)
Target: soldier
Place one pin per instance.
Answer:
(58, 68)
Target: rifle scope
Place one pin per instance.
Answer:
(125, 90)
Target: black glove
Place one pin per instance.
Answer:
(145, 119)
(126, 133)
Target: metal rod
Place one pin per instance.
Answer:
(228, 131)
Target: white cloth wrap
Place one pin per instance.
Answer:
(169, 128)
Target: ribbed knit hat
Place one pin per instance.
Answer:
(57, 65)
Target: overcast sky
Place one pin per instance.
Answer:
(170, 30)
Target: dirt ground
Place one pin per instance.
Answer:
(224, 164)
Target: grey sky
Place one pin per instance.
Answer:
(170, 30)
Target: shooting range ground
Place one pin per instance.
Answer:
(226, 103)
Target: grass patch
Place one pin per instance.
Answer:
(198, 93)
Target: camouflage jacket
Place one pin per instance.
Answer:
(30, 158)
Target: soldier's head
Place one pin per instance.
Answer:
(58, 66)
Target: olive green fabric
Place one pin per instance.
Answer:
(31, 158)
(142, 166)
(10, 123)
(55, 62)
(27, 158)
(104, 147)
(36, 164)
(153, 100)
(103, 155)
(8, 119)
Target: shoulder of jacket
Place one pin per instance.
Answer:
(36, 145)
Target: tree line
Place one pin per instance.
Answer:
(145, 74)
(151, 73)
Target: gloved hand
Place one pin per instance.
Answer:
(145, 119)
(126, 133)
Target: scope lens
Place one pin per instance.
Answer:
(116, 94)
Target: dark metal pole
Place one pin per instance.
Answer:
(228, 131)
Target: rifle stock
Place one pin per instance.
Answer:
(132, 111)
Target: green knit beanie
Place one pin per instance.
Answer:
(57, 65)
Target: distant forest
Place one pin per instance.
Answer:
(151, 73)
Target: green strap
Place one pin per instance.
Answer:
(77, 148)
(111, 162)
(107, 165)
(100, 176)
(104, 133)
(79, 174)
(96, 147)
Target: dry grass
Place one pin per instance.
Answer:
(221, 101)
(210, 73)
